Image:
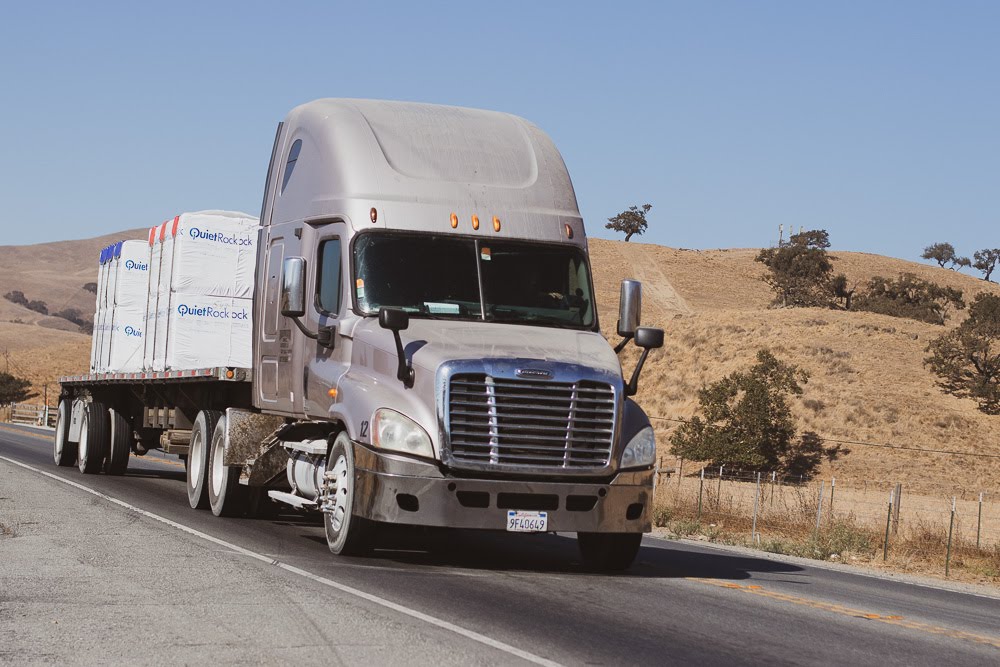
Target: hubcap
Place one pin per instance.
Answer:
(218, 468)
(336, 492)
(60, 438)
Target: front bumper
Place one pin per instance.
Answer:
(397, 489)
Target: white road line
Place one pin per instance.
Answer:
(382, 602)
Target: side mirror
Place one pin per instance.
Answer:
(629, 308)
(396, 319)
(649, 338)
(293, 287)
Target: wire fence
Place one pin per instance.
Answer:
(767, 506)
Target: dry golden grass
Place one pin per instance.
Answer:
(867, 381)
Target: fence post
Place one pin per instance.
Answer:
(774, 476)
(680, 472)
(718, 493)
(819, 509)
(756, 499)
(951, 527)
(979, 524)
(888, 520)
(895, 511)
(833, 488)
(701, 488)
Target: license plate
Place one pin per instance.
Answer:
(523, 521)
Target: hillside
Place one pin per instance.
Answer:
(867, 379)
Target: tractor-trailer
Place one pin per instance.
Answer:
(425, 347)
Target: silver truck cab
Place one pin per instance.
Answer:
(426, 324)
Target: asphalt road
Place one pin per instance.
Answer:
(680, 603)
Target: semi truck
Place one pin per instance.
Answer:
(426, 349)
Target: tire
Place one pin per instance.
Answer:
(608, 552)
(226, 496)
(197, 463)
(63, 451)
(94, 438)
(346, 534)
(120, 444)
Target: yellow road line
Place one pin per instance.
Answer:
(47, 436)
(848, 611)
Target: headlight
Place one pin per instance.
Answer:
(641, 450)
(391, 430)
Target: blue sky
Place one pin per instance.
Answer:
(877, 121)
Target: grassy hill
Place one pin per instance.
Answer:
(867, 380)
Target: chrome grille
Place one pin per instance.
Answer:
(500, 421)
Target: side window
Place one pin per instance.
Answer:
(328, 277)
(293, 157)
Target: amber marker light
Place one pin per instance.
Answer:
(332, 393)
(373, 214)
(475, 221)
(496, 224)
(454, 221)
(569, 231)
(230, 374)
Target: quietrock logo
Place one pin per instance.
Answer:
(132, 331)
(215, 313)
(133, 265)
(219, 237)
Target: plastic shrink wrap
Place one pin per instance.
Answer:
(131, 271)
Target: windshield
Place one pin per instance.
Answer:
(469, 279)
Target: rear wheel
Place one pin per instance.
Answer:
(120, 446)
(346, 534)
(225, 494)
(608, 552)
(94, 438)
(197, 463)
(63, 451)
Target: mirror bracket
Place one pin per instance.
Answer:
(395, 320)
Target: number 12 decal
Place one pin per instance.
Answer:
(364, 429)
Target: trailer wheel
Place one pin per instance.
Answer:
(120, 445)
(608, 552)
(225, 494)
(63, 451)
(93, 445)
(197, 463)
(346, 534)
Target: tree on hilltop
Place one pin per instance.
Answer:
(630, 222)
(986, 261)
(800, 271)
(944, 254)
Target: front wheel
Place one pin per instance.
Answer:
(346, 534)
(63, 451)
(608, 552)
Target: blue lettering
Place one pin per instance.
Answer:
(219, 237)
(132, 331)
(132, 265)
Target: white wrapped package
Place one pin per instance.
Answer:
(109, 300)
(132, 274)
(95, 337)
(156, 235)
(213, 253)
(207, 331)
(126, 337)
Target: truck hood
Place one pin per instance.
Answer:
(432, 342)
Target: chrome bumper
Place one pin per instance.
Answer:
(396, 489)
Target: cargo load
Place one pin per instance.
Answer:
(206, 262)
(129, 268)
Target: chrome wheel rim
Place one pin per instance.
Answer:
(196, 459)
(337, 492)
(60, 436)
(84, 441)
(218, 468)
